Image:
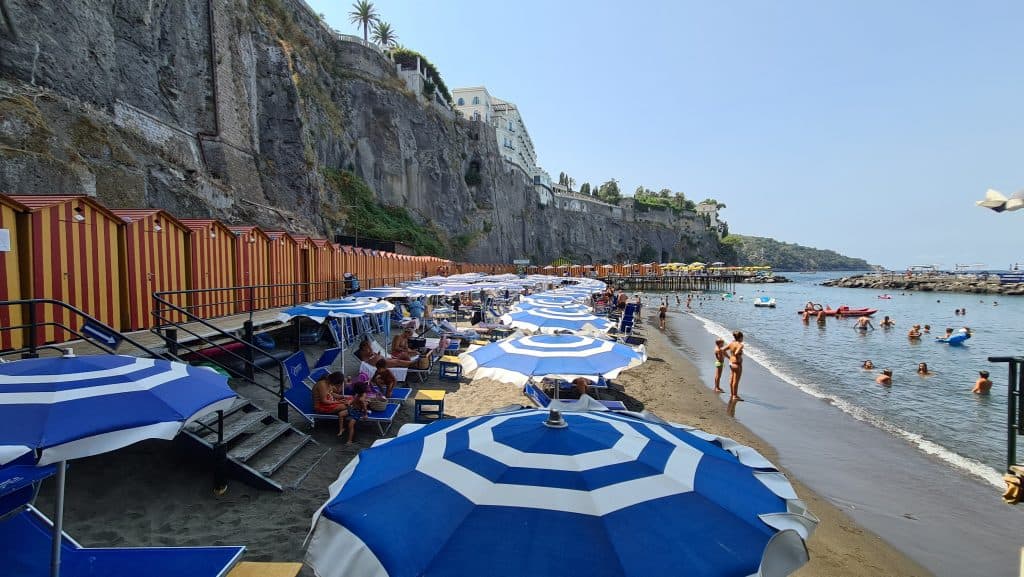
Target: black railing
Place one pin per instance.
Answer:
(34, 322)
(1014, 405)
(173, 317)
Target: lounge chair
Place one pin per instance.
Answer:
(323, 365)
(543, 401)
(26, 541)
(300, 396)
(398, 394)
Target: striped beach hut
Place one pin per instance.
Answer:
(322, 260)
(252, 267)
(339, 266)
(155, 249)
(284, 268)
(10, 265)
(72, 255)
(211, 266)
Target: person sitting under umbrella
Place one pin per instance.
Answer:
(400, 348)
(366, 354)
(357, 409)
(328, 400)
(384, 379)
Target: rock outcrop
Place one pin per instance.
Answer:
(928, 283)
(240, 109)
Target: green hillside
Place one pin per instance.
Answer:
(756, 250)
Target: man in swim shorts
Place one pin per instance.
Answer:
(719, 359)
(734, 350)
(982, 385)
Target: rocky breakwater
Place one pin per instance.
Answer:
(929, 283)
(765, 279)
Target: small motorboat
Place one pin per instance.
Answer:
(886, 297)
(768, 302)
(842, 312)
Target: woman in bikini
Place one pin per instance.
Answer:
(735, 352)
(328, 400)
(719, 361)
(365, 353)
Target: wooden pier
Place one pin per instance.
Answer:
(674, 283)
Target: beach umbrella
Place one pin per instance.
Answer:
(384, 292)
(69, 407)
(717, 263)
(434, 279)
(516, 360)
(573, 307)
(341, 308)
(529, 492)
(548, 301)
(425, 291)
(998, 202)
(551, 319)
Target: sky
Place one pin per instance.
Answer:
(868, 127)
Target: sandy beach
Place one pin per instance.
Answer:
(153, 494)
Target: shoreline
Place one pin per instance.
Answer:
(943, 519)
(154, 494)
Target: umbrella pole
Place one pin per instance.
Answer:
(58, 521)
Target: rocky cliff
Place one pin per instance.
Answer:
(244, 110)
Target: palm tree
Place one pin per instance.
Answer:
(363, 14)
(384, 34)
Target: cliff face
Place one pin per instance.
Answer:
(237, 109)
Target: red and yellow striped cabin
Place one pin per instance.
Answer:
(155, 249)
(72, 251)
(284, 268)
(252, 267)
(10, 266)
(211, 266)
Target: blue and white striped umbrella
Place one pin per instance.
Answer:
(516, 360)
(548, 301)
(607, 495)
(341, 308)
(71, 407)
(384, 292)
(551, 319)
(571, 308)
(425, 290)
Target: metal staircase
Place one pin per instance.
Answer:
(260, 449)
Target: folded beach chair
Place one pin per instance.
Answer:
(26, 542)
(27, 538)
(543, 401)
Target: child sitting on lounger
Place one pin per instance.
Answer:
(357, 409)
(384, 379)
(327, 398)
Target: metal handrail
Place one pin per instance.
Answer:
(1014, 404)
(32, 325)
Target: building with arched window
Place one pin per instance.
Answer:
(510, 132)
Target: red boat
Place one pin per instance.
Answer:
(841, 311)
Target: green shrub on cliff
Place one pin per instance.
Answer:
(755, 251)
(366, 217)
(407, 58)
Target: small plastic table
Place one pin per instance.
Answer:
(429, 405)
(449, 368)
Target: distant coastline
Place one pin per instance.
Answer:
(971, 284)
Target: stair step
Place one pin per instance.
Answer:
(294, 472)
(210, 420)
(243, 424)
(258, 441)
(272, 458)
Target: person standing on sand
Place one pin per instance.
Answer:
(735, 352)
(982, 385)
(719, 361)
(662, 311)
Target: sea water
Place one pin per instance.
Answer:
(937, 414)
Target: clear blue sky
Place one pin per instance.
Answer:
(868, 127)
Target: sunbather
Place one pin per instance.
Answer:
(366, 354)
(384, 379)
(582, 384)
(400, 345)
(328, 400)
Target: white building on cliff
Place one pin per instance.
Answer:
(514, 142)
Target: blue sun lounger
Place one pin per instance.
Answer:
(26, 539)
(300, 396)
(542, 400)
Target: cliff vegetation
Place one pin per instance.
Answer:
(756, 250)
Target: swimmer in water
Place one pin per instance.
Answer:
(821, 318)
(922, 369)
(867, 365)
(949, 333)
(719, 360)
(915, 332)
(864, 323)
(885, 378)
(982, 385)
(887, 323)
(927, 329)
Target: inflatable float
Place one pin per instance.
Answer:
(956, 339)
(842, 312)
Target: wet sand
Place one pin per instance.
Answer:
(153, 494)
